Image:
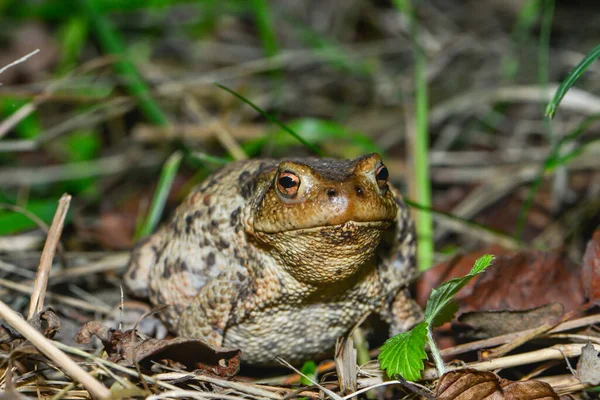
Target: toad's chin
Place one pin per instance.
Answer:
(323, 255)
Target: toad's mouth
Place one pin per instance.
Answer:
(348, 227)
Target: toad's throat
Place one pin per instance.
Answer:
(327, 254)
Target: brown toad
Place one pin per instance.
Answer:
(279, 258)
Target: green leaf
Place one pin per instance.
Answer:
(481, 264)
(309, 369)
(445, 314)
(29, 127)
(12, 222)
(403, 354)
(441, 296)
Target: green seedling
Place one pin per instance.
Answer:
(404, 353)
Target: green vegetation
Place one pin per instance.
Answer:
(167, 176)
(420, 143)
(404, 353)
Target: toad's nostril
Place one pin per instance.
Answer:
(331, 192)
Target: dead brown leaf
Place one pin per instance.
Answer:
(478, 385)
(517, 281)
(132, 347)
(590, 274)
(484, 324)
(46, 321)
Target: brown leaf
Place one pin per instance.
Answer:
(467, 383)
(536, 278)
(516, 281)
(131, 347)
(588, 366)
(46, 321)
(8, 334)
(91, 329)
(478, 385)
(458, 266)
(590, 274)
(485, 324)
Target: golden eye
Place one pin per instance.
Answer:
(382, 176)
(288, 184)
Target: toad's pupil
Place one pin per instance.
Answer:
(287, 182)
(383, 174)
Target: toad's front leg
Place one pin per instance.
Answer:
(402, 313)
(208, 314)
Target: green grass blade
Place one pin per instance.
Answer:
(112, 44)
(73, 35)
(573, 76)
(526, 21)
(506, 240)
(266, 27)
(167, 176)
(271, 118)
(420, 150)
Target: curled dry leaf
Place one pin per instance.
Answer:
(46, 321)
(588, 366)
(590, 274)
(477, 385)
(132, 347)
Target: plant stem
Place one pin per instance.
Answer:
(543, 77)
(435, 353)
(420, 143)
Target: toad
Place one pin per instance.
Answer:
(281, 257)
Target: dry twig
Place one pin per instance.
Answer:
(41, 279)
(19, 61)
(95, 388)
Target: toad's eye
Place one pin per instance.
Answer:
(382, 175)
(288, 184)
